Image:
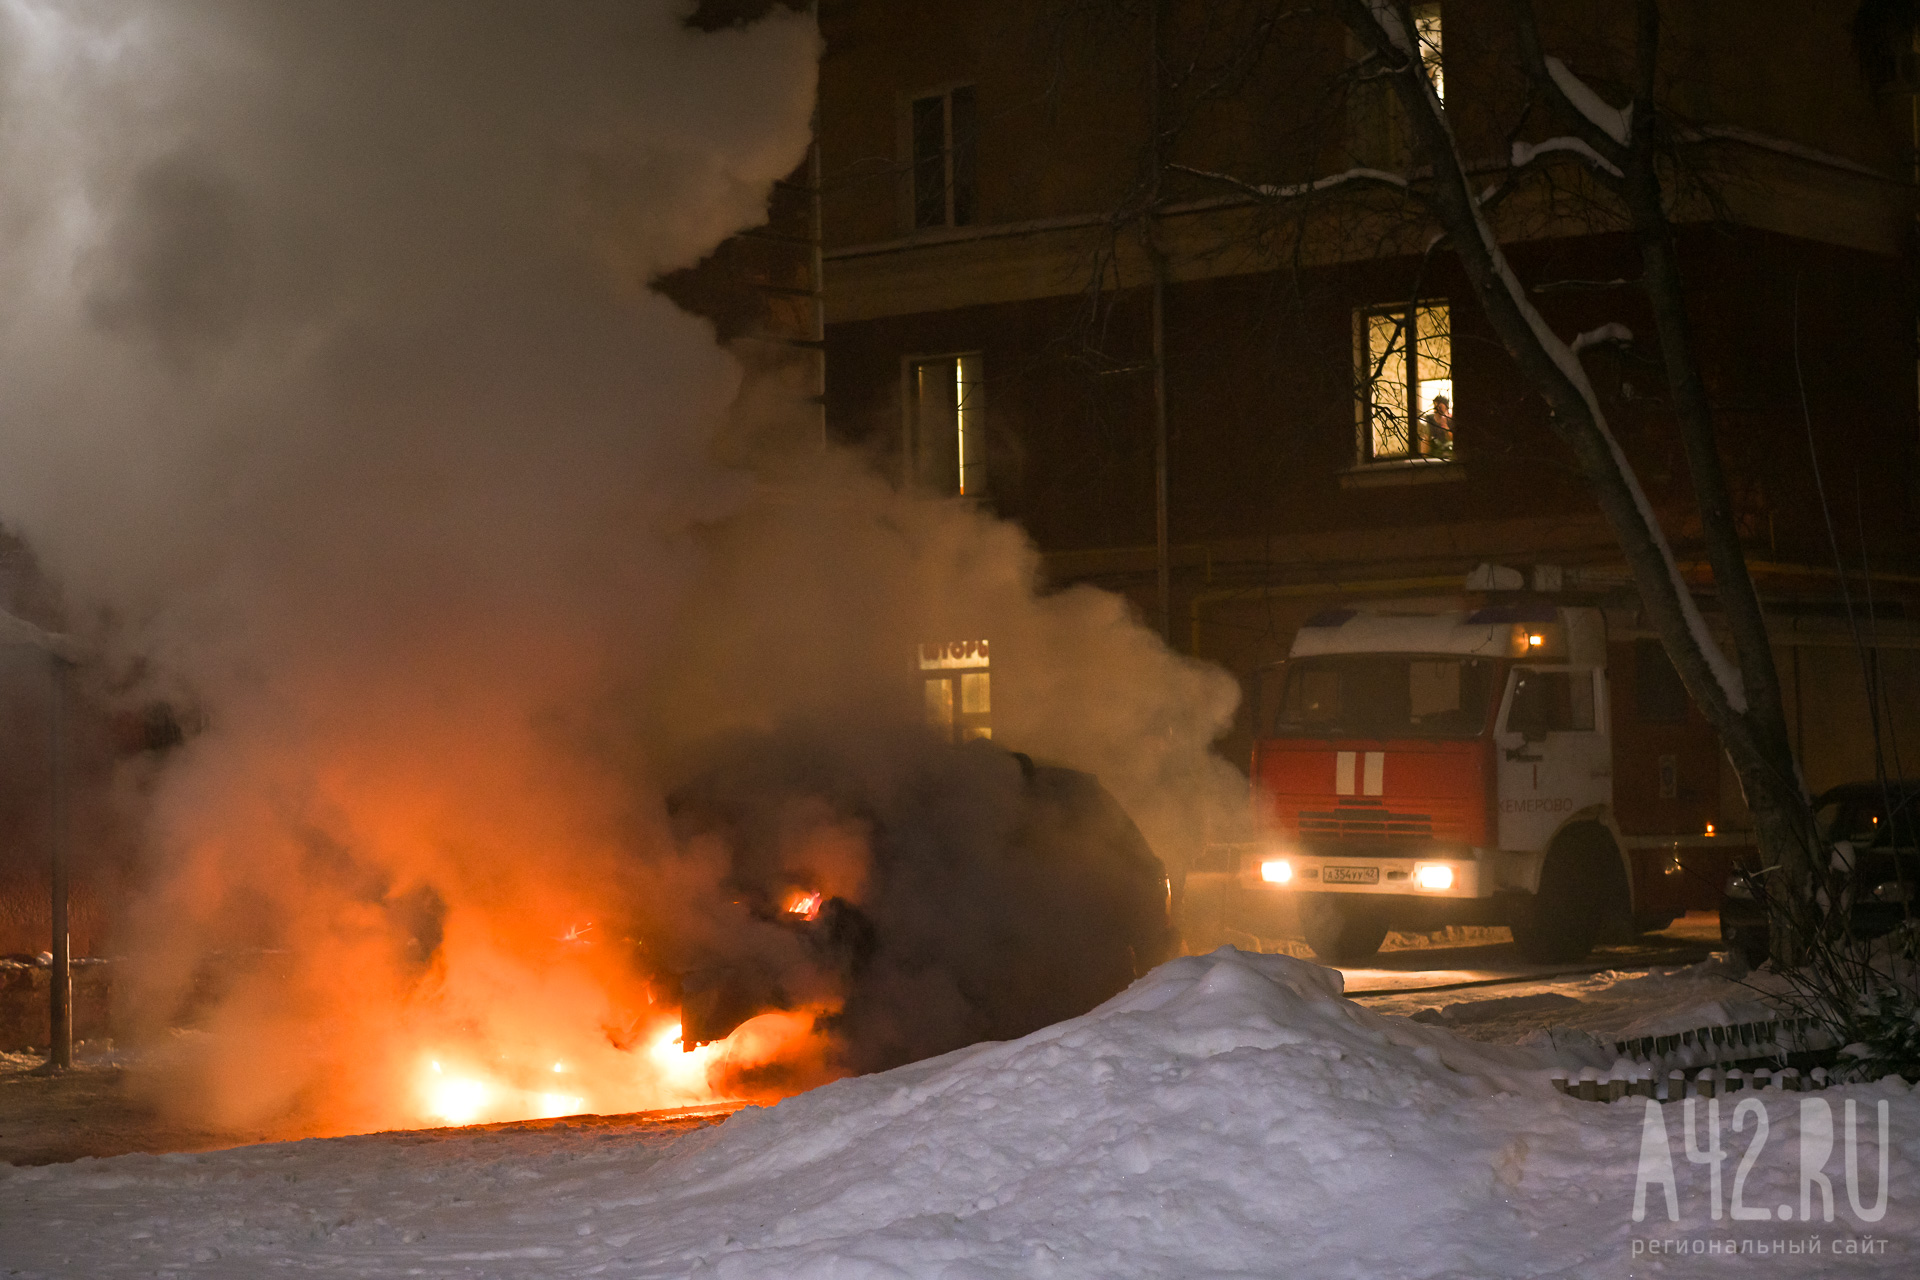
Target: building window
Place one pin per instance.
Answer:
(943, 132)
(946, 425)
(1405, 392)
(958, 681)
(1426, 25)
(1376, 124)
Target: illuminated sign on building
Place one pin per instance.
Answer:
(953, 654)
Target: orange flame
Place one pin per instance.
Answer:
(805, 904)
(441, 927)
(657, 1073)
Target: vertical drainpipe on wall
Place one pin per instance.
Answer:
(1913, 96)
(60, 986)
(1162, 558)
(816, 231)
(1162, 566)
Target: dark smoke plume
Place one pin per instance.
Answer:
(340, 412)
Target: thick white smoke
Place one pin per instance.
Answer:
(333, 398)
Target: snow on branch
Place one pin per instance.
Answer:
(1605, 333)
(1617, 126)
(1388, 17)
(1525, 153)
(1725, 674)
(1615, 122)
(1784, 146)
(1269, 191)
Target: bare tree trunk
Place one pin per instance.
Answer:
(1744, 706)
(1762, 755)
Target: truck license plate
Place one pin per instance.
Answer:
(1350, 875)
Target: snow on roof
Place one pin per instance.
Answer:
(1227, 1115)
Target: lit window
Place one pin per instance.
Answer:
(943, 132)
(940, 703)
(1405, 383)
(1376, 124)
(962, 668)
(946, 427)
(1426, 25)
(976, 693)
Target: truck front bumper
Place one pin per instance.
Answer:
(1455, 874)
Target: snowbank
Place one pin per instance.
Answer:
(1578, 1020)
(1228, 1115)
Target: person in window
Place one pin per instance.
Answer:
(1438, 422)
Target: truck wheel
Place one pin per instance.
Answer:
(1580, 891)
(1339, 933)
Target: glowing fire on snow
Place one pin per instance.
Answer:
(657, 1072)
(454, 1099)
(679, 1066)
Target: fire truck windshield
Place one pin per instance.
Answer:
(1385, 695)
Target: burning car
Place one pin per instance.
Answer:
(922, 895)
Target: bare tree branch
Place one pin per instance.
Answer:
(1614, 332)
(1604, 142)
(1357, 176)
(1525, 153)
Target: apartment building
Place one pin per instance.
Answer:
(1106, 276)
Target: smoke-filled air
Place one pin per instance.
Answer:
(336, 406)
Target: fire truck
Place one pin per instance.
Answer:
(1426, 766)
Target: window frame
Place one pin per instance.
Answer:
(1582, 700)
(957, 689)
(1295, 671)
(1429, 25)
(958, 158)
(971, 476)
(1376, 127)
(1419, 453)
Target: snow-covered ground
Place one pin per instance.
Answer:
(1229, 1115)
(1603, 1007)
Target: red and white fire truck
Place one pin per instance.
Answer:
(1426, 766)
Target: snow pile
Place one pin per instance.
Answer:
(1228, 1115)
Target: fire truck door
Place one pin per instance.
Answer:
(1552, 752)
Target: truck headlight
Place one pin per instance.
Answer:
(1276, 871)
(1432, 876)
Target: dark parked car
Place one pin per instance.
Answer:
(1873, 866)
(940, 895)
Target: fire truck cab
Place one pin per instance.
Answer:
(1429, 766)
